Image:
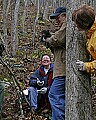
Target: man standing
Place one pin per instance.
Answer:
(58, 42)
(40, 81)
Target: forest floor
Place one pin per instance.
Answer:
(22, 65)
(12, 108)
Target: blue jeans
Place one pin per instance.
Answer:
(57, 98)
(33, 97)
(36, 99)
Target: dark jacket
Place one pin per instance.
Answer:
(40, 74)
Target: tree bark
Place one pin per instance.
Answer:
(45, 14)
(78, 88)
(35, 22)
(24, 16)
(5, 23)
(14, 39)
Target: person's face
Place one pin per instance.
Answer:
(60, 19)
(45, 60)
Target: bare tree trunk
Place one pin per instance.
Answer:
(55, 3)
(14, 39)
(45, 15)
(12, 23)
(78, 88)
(24, 15)
(35, 2)
(8, 6)
(35, 22)
(5, 23)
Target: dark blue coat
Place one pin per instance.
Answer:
(40, 74)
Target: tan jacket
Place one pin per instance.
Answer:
(58, 41)
(91, 47)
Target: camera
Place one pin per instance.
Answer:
(45, 34)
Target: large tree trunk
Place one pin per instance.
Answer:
(78, 88)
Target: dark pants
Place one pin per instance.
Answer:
(1, 95)
(57, 98)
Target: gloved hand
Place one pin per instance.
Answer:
(80, 65)
(40, 83)
(42, 90)
(47, 40)
(25, 92)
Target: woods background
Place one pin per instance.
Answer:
(21, 23)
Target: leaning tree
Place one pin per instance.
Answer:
(78, 88)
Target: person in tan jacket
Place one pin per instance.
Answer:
(85, 20)
(58, 42)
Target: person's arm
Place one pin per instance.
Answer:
(33, 79)
(90, 66)
(59, 37)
